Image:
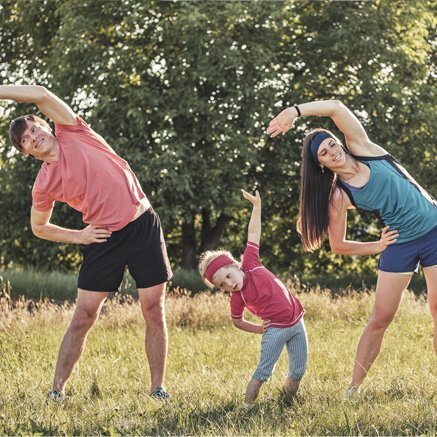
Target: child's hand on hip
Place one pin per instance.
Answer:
(265, 326)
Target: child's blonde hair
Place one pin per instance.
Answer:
(206, 258)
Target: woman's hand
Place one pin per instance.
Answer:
(254, 200)
(282, 123)
(387, 238)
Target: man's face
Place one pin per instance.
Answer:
(37, 140)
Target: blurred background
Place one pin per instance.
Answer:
(184, 92)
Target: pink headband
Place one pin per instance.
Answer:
(216, 264)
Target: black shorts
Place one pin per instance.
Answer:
(139, 245)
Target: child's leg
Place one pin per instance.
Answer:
(272, 343)
(252, 389)
(290, 387)
(297, 349)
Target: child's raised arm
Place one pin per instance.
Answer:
(254, 230)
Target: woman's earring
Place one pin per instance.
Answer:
(323, 168)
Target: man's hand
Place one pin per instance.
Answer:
(93, 234)
(254, 200)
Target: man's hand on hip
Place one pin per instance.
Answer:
(94, 234)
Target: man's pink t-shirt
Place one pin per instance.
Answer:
(263, 294)
(90, 177)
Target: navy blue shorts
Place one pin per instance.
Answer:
(406, 257)
(139, 245)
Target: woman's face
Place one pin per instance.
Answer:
(331, 154)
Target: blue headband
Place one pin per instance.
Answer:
(315, 144)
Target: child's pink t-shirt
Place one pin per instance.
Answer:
(90, 177)
(263, 294)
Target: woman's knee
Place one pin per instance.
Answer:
(380, 320)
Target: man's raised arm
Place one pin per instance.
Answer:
(49, 104)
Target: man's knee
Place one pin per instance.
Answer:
(83, 320)
(154, 312)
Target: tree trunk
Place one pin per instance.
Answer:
(188, 245)
(210, 236)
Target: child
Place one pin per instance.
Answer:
(254, 287)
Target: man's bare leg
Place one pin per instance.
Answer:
(152, 302)
(88, 305)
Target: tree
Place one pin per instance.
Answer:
(184, 92)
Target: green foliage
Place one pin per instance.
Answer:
(184, 91)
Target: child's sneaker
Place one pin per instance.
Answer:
(352, 392)
(160, 393)
(55, 395)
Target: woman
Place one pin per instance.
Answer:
(363, 175)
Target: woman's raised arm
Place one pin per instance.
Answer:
(356, 137)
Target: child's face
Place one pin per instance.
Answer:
(229, 278)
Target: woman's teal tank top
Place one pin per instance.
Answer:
(398, 200)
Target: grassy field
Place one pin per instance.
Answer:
(209, 364)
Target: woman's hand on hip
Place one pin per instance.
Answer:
(387, 238)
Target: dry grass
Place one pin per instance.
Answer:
(209, 365)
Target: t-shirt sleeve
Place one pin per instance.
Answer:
(251, 256)
(237, 306)
(80, 125)
(41, 201)
(82, 133)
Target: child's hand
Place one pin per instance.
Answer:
(265, 326)
(255, 200)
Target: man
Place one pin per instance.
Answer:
(81, 169)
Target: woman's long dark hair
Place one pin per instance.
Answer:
(316, 188)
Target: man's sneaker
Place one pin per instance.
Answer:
(160, 393)
(351, 392)
(55, 395)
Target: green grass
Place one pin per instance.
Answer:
(209, 364)
(37, 285)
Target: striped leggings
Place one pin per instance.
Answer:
(272, 343)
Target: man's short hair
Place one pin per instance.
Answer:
(18, 126)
